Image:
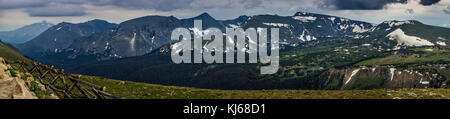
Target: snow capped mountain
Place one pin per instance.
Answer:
(410, 33)
(61, 36)
(336, 23)
(132, 38)
(303, 27)
(141, 36)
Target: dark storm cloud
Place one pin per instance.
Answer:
(13, 4)
(168, 5)
(369, 4)
(361, 4)
(56, 10)
(160, 5)
(75, 7)
(47, 8)
(429, 2)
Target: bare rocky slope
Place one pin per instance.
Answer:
(12, 86)
(391, 77)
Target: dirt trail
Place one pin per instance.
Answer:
(12, 87)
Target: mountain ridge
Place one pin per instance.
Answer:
(25, 33)
(139, 36)
(61, 36)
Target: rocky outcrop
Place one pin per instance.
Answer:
(12, 86)
(384, 77)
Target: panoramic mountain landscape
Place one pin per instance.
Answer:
(237, 59)
(317, 52)
(327, 49)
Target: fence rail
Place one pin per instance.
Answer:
(64, 84)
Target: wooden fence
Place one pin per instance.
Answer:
(64, 84)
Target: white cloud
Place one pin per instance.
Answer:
(12, 4)
(427, 14)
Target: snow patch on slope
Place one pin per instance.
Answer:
(359, 29)
(305, 18)
(132, 42)
(332, 19)
(277, 24)
(198, 32)
(441, 43)
(309, 38)
(304, 37)
(301, 36)
(343, 27)
(404, 39)
(354, 72)
(233, 26)
(176, 46)
(397, 23)
(392, 71)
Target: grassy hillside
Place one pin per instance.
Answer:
(132, 90)
(413, 56)
(11, 54)
(428, 32)
(298, 67)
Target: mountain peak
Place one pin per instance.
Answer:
(204, 16)
(25, 33)
(94, 21)
(97, 21)
(42, 23)
(63, 23)
(243, 17)
(301, 13)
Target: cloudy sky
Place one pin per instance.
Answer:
(16, 13)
